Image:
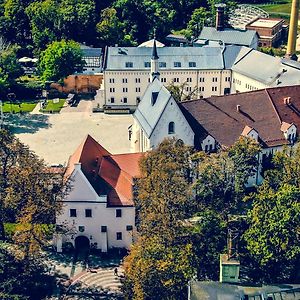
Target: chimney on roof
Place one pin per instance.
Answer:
(287, 100)
(77, 166)
(220, 16)
(238, 108)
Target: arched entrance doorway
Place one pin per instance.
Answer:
(82, 243)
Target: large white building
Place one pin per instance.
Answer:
(212, 70)
(99, 210)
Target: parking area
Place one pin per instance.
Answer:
(55, 137)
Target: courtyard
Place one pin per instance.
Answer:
(54, 137)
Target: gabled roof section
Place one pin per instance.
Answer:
(111, 175)
(219, 117)
(247, 129)
(285, 126)
(152, 105)
(150, 44)
(229, 36)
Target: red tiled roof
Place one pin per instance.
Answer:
(109, 174)
(225, 117)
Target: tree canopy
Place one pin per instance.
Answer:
(59, 60)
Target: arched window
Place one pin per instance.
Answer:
(171, 127)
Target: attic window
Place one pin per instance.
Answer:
(129, 64)
(192, 64)
(171, 128)
(147, 64)
(162, 64)
(154, 97)
(177, 64)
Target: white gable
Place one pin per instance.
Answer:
(152, 106)
(182, 129)
(81, 189)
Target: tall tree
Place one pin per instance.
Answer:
(273, 237)
(162, 261)
(59, 60)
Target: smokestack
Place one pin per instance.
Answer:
(220, 16)
(291, 47)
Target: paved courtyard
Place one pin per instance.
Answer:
(55, 137)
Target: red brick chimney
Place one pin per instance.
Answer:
(220, 16)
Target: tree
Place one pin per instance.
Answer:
(273, 237)
(222, 177)
(162, 261)
(59, 60)
(109, 27)
(180, 93)
(197, 21)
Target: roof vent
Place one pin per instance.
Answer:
(287, 100)
(122, 51)
(238, 108)
(284, 70)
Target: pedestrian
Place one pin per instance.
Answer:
(116, 271)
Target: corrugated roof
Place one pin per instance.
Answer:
(149, 111)
(229, 36)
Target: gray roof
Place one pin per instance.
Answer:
(148, 113)
(229, 36)
(206, 58)
(270, 70)
(90, 52)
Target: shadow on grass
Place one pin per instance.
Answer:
(26, 123)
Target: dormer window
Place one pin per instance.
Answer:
(177, 64)
(147, 64)
(162, 64)
(154, 97)
(171, 129)
(129, 64)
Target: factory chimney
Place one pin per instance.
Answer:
(220, 16)
(291, 47)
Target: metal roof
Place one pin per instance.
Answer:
(206, 58)
(152, 105)
(228, 36)
(91, 52)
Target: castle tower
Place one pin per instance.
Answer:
(154, 62)
(291, 47)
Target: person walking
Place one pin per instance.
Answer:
(116, 271)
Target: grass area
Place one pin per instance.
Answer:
(53, 107)
(280, 9)
(17, 108)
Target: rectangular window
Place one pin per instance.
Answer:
(103, 228)
(88, 213)
(176, 80)
(202, 89)
(147, 64)
(138, 80)
(73, 213)
(129, 64)
(214, 88)
(118, 213)
(201, 79)
(189, 79)
(163, 79)
(124, 80)
(119, 236)
(162, 64)
(192, 64)
(81, 228)
(112, 100)
(215, 79)
(138, 90)
(177, 64)
(129, 227)
(111, 80)
(125, 90)
(125, 99)
(112, 90)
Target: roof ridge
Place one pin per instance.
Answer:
(272, 103)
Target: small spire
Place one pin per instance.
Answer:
(154, 50)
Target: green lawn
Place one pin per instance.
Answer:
(281, 9)
(53, 107)
(16, 108)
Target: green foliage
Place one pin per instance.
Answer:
(59, 60)
(197, 21)
(179, 92)
(162, 261)
(272, 51)
(273, 235)
(222, 177)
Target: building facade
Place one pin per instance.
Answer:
(99, 207)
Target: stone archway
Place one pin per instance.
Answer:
(82, 243)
